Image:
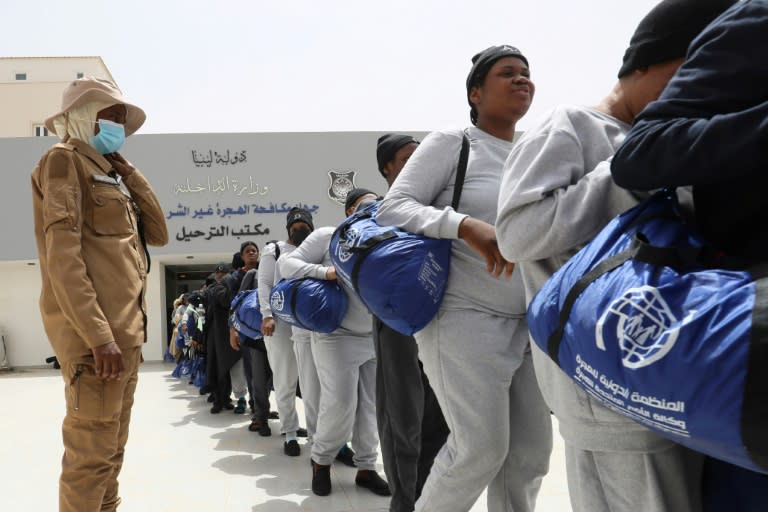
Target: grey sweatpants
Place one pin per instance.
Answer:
(480, 368)
(308, 382)
(346, 367)
(285, 375)
(662, 481)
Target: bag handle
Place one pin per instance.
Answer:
(461, 171)
(640, 249)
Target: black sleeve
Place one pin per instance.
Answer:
(711, 122)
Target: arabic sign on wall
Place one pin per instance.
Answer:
(217, 190)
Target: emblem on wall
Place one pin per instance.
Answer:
(341, 184)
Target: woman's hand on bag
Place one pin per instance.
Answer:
(234, 339)
(268, 326)
(481, 237)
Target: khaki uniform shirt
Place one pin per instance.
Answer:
(92, 259)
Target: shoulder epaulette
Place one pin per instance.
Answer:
(64, 145)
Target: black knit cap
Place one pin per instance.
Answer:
(388, 145)
(297, 214)
(665, 33)
(355, 194)
(482, 63)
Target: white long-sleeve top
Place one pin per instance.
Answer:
(312, 259)
(420, 202)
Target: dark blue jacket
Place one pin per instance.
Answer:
(709, 129)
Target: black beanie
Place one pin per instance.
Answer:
(388, 145)
(482, 63)
(299, 215)
(354, 195)
(665, 33)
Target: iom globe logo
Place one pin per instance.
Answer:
(642, 324)
(277, 301)
(342, 248)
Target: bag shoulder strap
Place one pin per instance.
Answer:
(461, 171)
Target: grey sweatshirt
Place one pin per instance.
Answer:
(312, 259)
(556, 194)
(419, 202)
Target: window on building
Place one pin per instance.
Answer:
(80, 74)
(41, 130)
(21, 76)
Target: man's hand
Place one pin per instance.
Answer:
(123, 167)
(481, 237)
(330, 274)
(234, 339)
(109, 361)
(268, 326)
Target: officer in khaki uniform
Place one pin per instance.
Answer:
(94, 214)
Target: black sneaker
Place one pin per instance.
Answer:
(373, 482)
(292, 448)
(262, 427)
(321, 479)
(346, 456)
(273, 415)
(229, 405)
(216, 409)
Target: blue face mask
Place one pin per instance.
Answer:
(110, 138)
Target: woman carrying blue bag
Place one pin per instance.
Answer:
(475, 352)
(346, 367)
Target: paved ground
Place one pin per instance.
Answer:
(180, 457)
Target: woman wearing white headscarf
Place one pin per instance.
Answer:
(94, 215)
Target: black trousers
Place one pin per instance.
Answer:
(411, 425)
(258, 374)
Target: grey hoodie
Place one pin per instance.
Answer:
(557, 193)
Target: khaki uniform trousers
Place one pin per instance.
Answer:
(95, 431)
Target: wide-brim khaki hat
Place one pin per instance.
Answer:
(83, 90)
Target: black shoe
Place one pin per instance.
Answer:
(262, 427)
(205, 389)
(292, 448)
(273, 415)
(216, 409)
(321, 479)
(229, 406)
(373, 482)
(211, 398)
(346, 456)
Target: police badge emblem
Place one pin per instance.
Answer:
(341, 184)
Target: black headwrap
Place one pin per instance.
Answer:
(665, 33)
(388, 145)
(482, 63)
(299, 215)
(354, 195)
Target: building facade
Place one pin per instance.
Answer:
(30, 89)
(217, 191)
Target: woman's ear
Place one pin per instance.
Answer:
(475, 96)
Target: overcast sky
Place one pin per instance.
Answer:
(324, 65)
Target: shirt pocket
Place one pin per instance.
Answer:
(109, 212)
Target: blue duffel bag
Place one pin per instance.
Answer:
(400, 277)
(645, 321)
(246, 314)
(312, 304)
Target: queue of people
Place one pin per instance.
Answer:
(465, 404)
